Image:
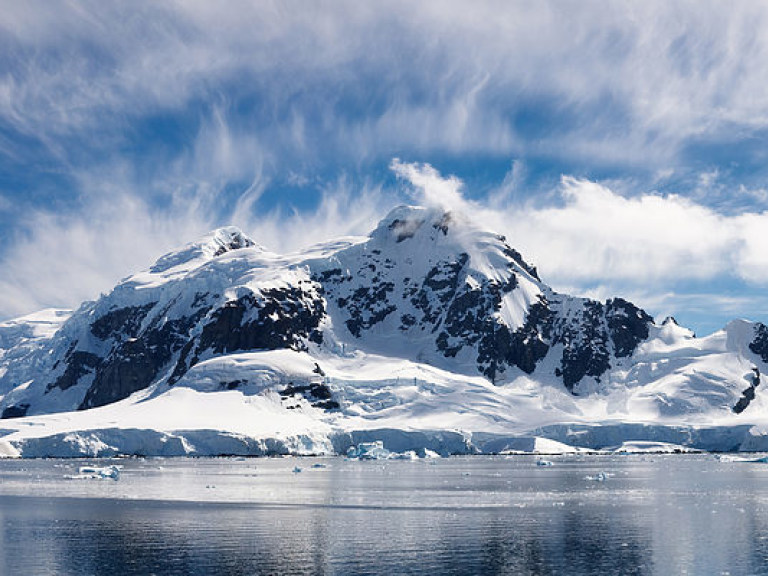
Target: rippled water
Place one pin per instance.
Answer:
(474, 515)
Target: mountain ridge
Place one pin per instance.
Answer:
(427, 290)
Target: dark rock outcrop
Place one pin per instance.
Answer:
(15, 411)
(749, 394)
(760, 343)
(277, 318)
(318, 395)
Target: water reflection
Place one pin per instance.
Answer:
(463, 516)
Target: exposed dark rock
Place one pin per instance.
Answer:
(15, 411)
(407, 321)
(130, 368)
(232, 384)
(326, 275)
(121, 323)
(236, 242)
(760, 344)
(277, 318)
(367, 306)
(444, 223)
(134, 364)
(627, 324)
(79, 364)
(510, 252)
(438, 289)
(318, 395)
(405, 229)
(585, 342)
(469, 321)
(327, 405)
(317, 370)
(749, 394)
(523, 348)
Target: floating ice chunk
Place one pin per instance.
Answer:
(408, 455)
(543, 463)
(599, 477)
(726, 458)
(648, 447)
(427, 453)
(375, 451)
(8, 450)
(369, 451)
(97, 472)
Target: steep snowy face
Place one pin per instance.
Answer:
(217, 296)
(432, 286)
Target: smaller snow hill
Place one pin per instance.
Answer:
(429, 334)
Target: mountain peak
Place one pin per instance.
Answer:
(404, 222)
(226, 239)
(214, 244)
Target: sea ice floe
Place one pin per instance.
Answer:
(97, 473)
(727, 458)
(375, 451)
(599, 477)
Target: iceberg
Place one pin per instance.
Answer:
(97, 473)
(375, 451)
(369, 451)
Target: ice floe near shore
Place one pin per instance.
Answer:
(111, 472)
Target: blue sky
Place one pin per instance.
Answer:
(620, 146)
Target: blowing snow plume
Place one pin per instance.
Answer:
(429, 187)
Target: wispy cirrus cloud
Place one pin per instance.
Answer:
(62, 260)
(627, 84)
(145, 125)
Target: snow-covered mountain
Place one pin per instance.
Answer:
(429, 333)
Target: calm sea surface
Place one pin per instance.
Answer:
(682, 514)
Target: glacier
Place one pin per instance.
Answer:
(430, 335)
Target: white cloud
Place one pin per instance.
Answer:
(649, 238)
(645, 238)
(60, 261)
(430, 188)
(628, 84)
(596, 235)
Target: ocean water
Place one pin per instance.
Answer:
(651, 514)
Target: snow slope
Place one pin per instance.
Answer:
(431, 334)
